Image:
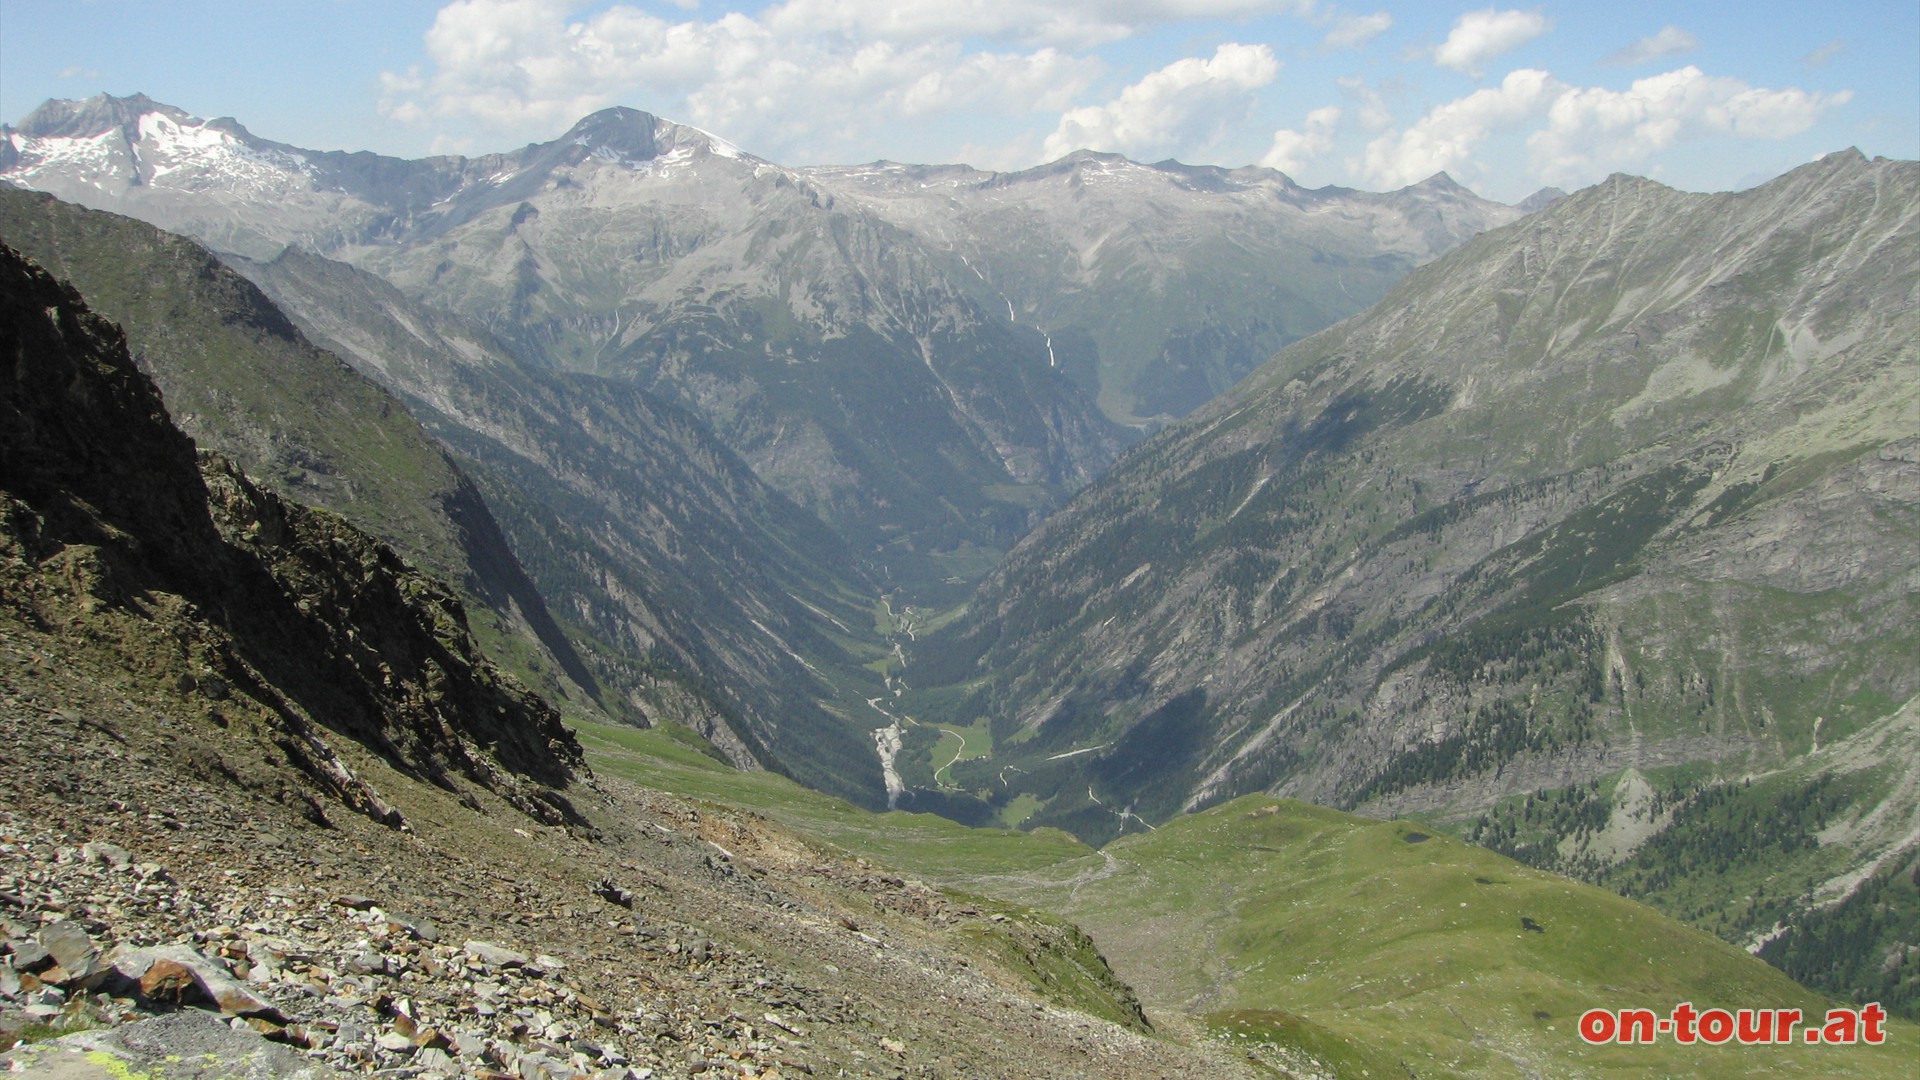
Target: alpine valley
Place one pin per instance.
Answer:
(1324, 633)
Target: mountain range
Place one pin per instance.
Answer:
(881, 352)
(271, 812)
(1590, 540)
(855, 364)
(1596, 536)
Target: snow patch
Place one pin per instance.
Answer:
(94, 159)
(204, 156)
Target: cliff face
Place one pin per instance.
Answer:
(283, 625)
(240, 379)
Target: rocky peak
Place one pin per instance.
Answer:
(1541, 199)
(1070, 165)
(94, 116)
(1200, 177)
(620, 130)
(632, 135)
(1851, 157)
(1441, 183)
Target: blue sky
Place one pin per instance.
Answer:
(1372, 95)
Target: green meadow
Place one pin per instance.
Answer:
(1321, 943)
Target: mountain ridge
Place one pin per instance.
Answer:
(1309, 554)
(243, 380)
(627, 508)
(777, 304)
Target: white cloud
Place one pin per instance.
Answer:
(1479, 36)
(801, 77)
(1180, 108)
(1374, 114)
(1447, 136)
(1353, 31)
(1824, 55)
(528, 68)
(1070, 24)
(1294, 149)
(1594, 130)
(1670, 41)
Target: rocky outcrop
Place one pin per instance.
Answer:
(248, 603)
(240, 379)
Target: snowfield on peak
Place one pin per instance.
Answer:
(206, 156)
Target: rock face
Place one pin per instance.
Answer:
(240, 379)
(1631, 483)
(262, 609)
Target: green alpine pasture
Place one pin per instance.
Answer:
(1319, 942)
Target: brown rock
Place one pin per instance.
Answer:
(169, 981)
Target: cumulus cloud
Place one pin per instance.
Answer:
(1594, 130)
(1353, 31)
(1294, 148)
(529, 67)
(1181, 107)
(1447, 136)
(1028, 22)
(1479, 36)
(799, 77)
(1670, 41)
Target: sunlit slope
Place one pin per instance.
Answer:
(1379, 943)
(1320, 940)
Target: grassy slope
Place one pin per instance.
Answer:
(1305, 920)
(1316, 939)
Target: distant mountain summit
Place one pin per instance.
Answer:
(1541, 199)
(94, 116)
(637, 136)
(1159, 286)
